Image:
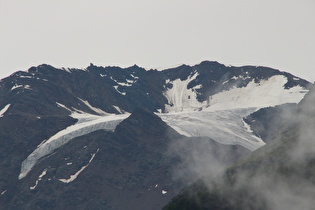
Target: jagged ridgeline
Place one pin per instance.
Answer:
(131, 138)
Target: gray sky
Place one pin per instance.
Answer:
(158, 33)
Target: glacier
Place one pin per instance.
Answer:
(223, 126)
(221, 116)
(86, 124)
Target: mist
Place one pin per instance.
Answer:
(277, 176)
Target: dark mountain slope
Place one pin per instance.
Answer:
(269, 122)
(279, 175)
(131, 168)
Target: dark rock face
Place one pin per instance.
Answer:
(127, 164)
(131, 169)
(268, 123)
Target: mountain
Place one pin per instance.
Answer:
(279, 175)
(114, 138)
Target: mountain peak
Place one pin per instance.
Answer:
(65, 130)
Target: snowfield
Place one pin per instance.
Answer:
(266, 93)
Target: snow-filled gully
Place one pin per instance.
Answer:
(74, 176)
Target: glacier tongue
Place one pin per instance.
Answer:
(223, 126)
(85, 125)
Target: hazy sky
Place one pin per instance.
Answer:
(158, 33)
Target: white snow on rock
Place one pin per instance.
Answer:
(129, 82)
(180, 98)
(4, 109)
(21, 86)
(63, 106)
(164, 192)
(86, 124)
(74, 176)
(3, 192)
(39, 179)
(29, 77)
(124, 84)
(135, 77)
(16, 86)
(66, 69)
(119, 109)
(266, 93)
(97, 110)
(116, 88)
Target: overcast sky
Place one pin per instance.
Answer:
(158, 33)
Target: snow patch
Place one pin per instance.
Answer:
(63, 106)
(164, 192)
(225, 82)
(118, 109)
(16, 86)
(74, 176)
(21, 86)
(96, 110)
(29, 77)
(135, 77)
(4, 109)
(3, 192)
(116, 87)
(124, 84)
(128, 84)
(130, 81)
(66, 69)
(39, 179)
